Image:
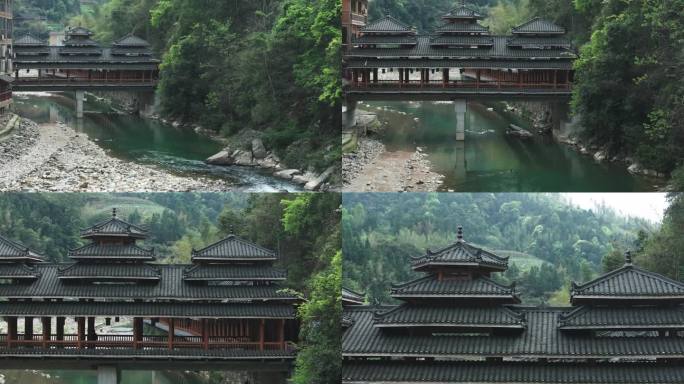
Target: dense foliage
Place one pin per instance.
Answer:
(549, 241)
(663, 252)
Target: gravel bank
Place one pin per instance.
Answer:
(54, 157)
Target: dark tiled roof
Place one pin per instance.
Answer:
(587, 317)
(29, 41)
(79, 31)
(463, 12)
(541, 338)
(430, 286)
(109, 271)
(13, 251)
(418, 63)
(461, 253)
(385, 39)
(509, 372)
(233, 248)
(66, 308)
(111, 252)
(350, 297)
(76, 43)
(387, 24)
(217, 272)
(542, 41)
(500, 50)
(538, 26)
(628, 283)
(131, 41)
(459, 40)
(17, 271)
(423, 315)
(114, 227)
(462, 28)
(169, 287)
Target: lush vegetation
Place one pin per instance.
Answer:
(304, 228)
(550, 242)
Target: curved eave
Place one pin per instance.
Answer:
(227, 260)
(24, 277)
(424, 265)
(448, 325)
(104, 277)
(88, 235)
(509, 298)
(582, 299)
(29, 257)
(104, 258)
(621, 327)
(234, 278)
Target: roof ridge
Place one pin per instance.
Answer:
(233, 237)
(626, 269)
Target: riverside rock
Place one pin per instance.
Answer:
(258, 149)
(287, 174)
(316, 183)
(222, 158)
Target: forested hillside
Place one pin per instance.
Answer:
(628, 91)
(549, 241)
(304, 228)
(246, 69)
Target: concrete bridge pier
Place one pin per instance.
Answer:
(80, 95)
(460, 107)
(107, 374)
(460, 166)
(349, 113)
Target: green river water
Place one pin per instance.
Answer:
(491, 161)
(176, 150)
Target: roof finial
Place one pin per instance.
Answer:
(113, 212)
(459, 234)
(628, 258)
(386, 11)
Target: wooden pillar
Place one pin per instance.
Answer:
(261, 334)
(427, 76)
(498, 78)
(47, 331)
(281, 334)
(445, 77)
(205, 335)
(90, 75)
(137, 332)
(60, 328)
(375, 75)
(401, 76)
(92, 334)
(11, 330)
(28, 328)
(555, 78)
(407, 73)
(477, 78)
(172, 331)
(16, 73)
(80, 333)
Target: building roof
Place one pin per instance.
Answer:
(233, 248)
(540, 339)
(350, 297)
(454, 63)
(387, 24)
(119, 271)
(29, 41)
(523, 41)
(479, 287)
(460, 254)
(170, 286)
(226, 272)
(96, 251)
(13, 251)
(462, 40)
(78, 31)
(463, 12)
(509, 372)
(469, 28)
(628, 283)
(424, 50)
(131, 40)
(114, 227)
(17, 271)
(623, 318)
(184, 310)
(385, 39)
(538, 26)
(449, 316)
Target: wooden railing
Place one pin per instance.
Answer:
(70, 80)
(4, 96)
(157, 342)
(439, 84)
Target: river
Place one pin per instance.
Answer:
(180, 151)
(489, 160)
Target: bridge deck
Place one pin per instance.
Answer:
(57, 84)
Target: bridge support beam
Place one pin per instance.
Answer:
(79, 104)
(460, 107)
(108, 375)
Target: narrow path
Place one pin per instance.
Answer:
(51, 138)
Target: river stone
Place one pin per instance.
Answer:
(316, 183)
(600, 156)
(287, 174)
(269, 162)
(243, 157)
(222, 158)
(305, 178)
(634, 168)
(258, 149)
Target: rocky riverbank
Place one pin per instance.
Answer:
(372, 168)
(54, 157)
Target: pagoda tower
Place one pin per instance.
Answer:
(457, 295)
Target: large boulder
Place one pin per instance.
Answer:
(287, 174)
(222, 158)
(258, 149)
(316, 182)
(242, 157)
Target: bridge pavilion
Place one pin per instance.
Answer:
(226, 306)
(457, 324)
